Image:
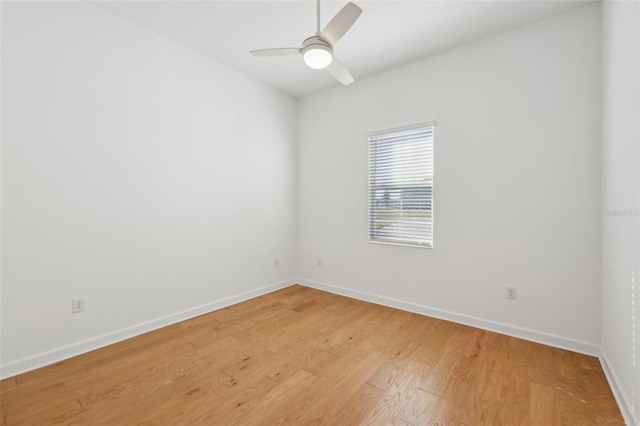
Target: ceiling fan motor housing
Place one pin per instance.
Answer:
(317, 54)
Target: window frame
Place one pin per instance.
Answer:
(425, 127)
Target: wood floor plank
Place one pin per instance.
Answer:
(326, 406)
(221, 331)
(274, 402)
(303, 356)
(472, 356)
(356, 408)
(459, 398)
(433, 342)
(239, 405)
(445, 364)
(51, 403)
(385, 376)
(544, 405)
(316, 326)
(405, 340)
(420, 409)
(421, 370)
(394, 401)
(8, 385)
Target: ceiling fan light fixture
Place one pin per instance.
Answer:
(317, 56)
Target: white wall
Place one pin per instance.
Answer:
(143, 177)
(517, 193)
(620, 200)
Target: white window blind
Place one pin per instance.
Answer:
(401, 186)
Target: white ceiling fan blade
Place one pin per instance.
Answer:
(340, 24)
(339, 72)
(285, 51)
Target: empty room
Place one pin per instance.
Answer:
(320, 212)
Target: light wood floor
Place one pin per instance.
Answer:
(301, 356)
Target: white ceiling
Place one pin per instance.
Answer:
(387, 34)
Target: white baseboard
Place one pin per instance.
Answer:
(630, 417)
(510, 330)
(78, 348)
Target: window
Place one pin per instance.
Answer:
(401, 186)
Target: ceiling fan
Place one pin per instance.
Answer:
(317, 50)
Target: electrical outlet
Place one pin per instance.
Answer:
(319, 262)
(77, 305)
(511, 293)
